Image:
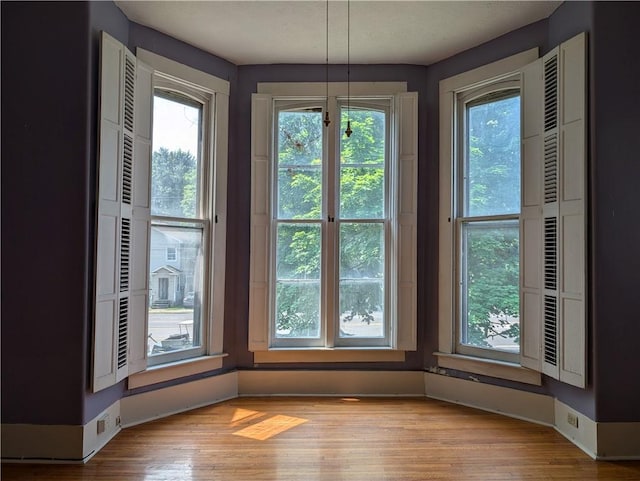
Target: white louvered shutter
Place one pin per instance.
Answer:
(406, 212)
(126, 217)
(550, 215)
(572, 196)
(109, 305)
(141, 218)
(531, 217)
(121, 286)
(564, 208)
(261, 114)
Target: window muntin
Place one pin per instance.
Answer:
(331, 225)
(487, 224)
(179, 222)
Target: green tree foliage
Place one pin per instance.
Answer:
(362, 171)
(173, 183)
(492, 280)
(493, 176)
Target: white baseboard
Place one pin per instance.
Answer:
(618, 441)
(602, 441)
(585, 435)
(528, 406)
(160, 403)
(68, 444)
(330, 383)
(77, 444)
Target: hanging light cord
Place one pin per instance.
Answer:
(348, 131)
(326, 114)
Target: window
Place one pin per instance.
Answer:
(356, 223)
(487, 183)
(160, 255)
(512, 232)
(180, 221)
(480, 242)
(335, 238)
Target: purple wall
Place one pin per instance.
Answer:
(45, 172)
(102, 16)
(615, 179)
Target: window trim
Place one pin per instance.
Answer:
(449, 88)
(403, 334)
(215, 170)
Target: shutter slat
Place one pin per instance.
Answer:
(125, 254)
(550, 253)
(123, 331)
(129, 92)
(551, 93)
(551, 169)
(550, 333)
(127, 169)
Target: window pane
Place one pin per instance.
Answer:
(362, 164)
(299, 193)
(298, 281)
(176, 286)
(490, 294)
(361, 283)
(492, 178)
(300, 164)
(176, 146)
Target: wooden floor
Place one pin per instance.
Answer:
(332, 439)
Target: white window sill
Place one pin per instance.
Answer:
(351, 354)
(489, 367)
(175, 370)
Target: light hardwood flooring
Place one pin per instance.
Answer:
(333, 439)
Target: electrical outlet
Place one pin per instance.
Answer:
(572, 419)
(103, 424)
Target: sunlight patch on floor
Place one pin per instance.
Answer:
(270, 427)
(244, 415)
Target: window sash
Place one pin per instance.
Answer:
(462, 225)
(175, 90)
(330, 222)
(498, 89)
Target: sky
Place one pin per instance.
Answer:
(175, 126)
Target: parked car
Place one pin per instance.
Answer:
(188, 299)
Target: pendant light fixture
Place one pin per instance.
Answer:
(348, 132)
(327, 121)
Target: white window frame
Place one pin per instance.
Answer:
(402, 178)
(329, 322)
(450, 355)
(463, 98)
(202, 218)
(214, 92)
